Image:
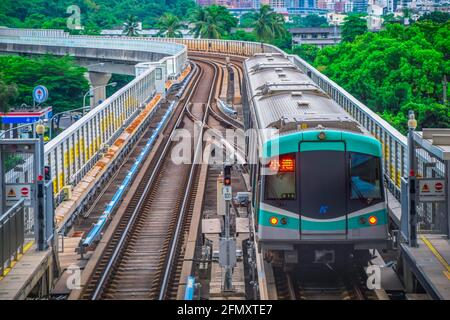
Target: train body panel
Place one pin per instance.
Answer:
(316, 174)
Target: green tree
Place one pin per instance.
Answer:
(354, 26)
(130, 26)
(64, 79)
(206, 25)
(436, 16)
(307, 52)
(169, 26)
(212, 22)
(247, 20)
(95, 14)
(8, 93)
(390, 18)
(395, 69)
(268, 24)
(55, 23)
(310, 21)
(242, 35)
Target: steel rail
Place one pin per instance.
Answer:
(240, 152)
(118, 248)
(174, 244)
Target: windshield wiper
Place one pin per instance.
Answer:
(360, 194)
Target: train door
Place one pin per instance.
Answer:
(323, 190)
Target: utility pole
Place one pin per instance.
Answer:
(227, 252)
(412, 124)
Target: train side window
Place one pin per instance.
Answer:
(158, 73)
(280, 178)
(365, 176)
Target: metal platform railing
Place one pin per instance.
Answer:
(12, 233)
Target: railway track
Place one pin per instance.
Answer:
(321, 283)
(216, 112)
(220, 121)
(142, 260)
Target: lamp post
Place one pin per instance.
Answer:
(40, 214)
(412, 124)
(112, 84)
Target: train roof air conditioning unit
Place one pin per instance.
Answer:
(303, 104)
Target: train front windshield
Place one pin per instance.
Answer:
(324, 184)
(364, 176)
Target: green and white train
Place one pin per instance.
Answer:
(316, 177)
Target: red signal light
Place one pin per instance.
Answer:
(40, 178)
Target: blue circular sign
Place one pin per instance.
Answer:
(40, 94)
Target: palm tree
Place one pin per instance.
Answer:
(268, 24)
(278, 26)
(169, 26)
(131, 26)
(207, 24)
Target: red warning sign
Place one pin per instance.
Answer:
(24, 191)
(425, 188)
(438, 186)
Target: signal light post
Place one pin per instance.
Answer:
(412, 124)
(227, 252)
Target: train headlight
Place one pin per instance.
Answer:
(321, 135)
(283, 220)
(274, 221)
(362, 220)
(373, 220)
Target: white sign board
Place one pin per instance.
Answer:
(15, 192)
(227, 193)
(431, 190)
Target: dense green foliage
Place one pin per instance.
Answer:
(307, 52)
(395, 70)
(354, 26)
(169, 26)
(268, 24)
(247, 20)
(212, 22)
(11, 161)
(8, 92)
(64, 80)
(436, 16)
(95, 14)
(268, 27)
(310, 21)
